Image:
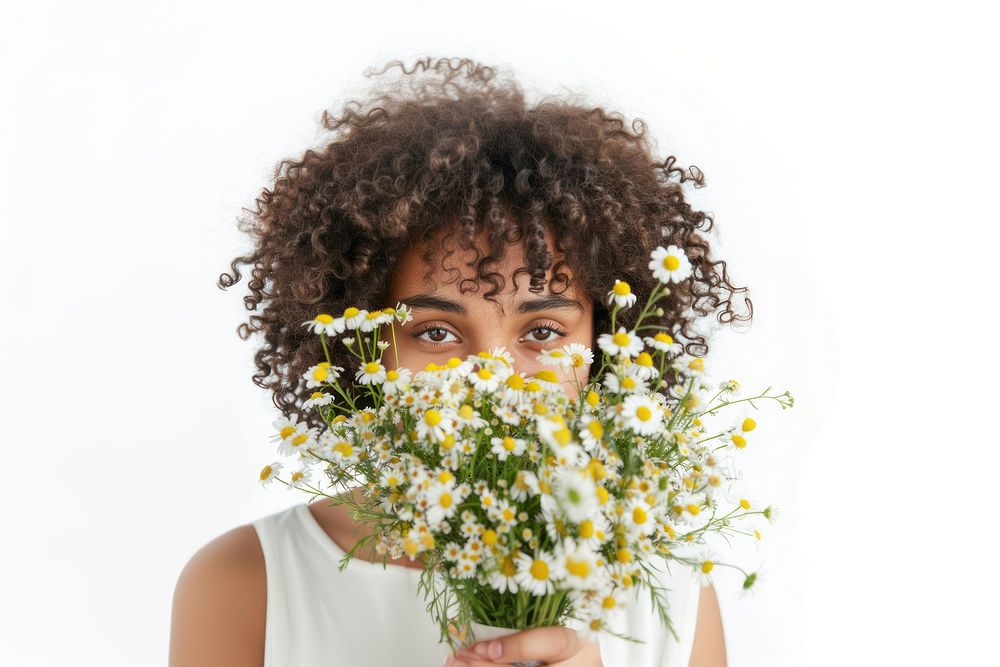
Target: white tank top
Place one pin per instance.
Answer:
(367, 614)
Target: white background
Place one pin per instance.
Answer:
(850, 151)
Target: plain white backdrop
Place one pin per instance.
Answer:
(850, 151)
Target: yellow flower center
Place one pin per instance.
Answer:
(391, 376)
(739, 440)
(748, 424)
(608, 602)
(507, 567)
(596, 429)
(484, 373)
(744, 503)
(432, 417)
(320, 374)
(622, 288)
(592, 398)
(323, 318)
(266, 472)
(371, 367)
(351, 312)
(515, 382)
(343, 448)
(644, 413)
(639, 515)
(707, 566)
(587, 529)
(454, 362)
(547, 375)
(644, 359)
(466, 412)
(489, 537)
(509, 443)
(663, 338)
(287, 431)
(670, 263)
(621, 339)
(623, 555)
(578, 568)
(445, 500)
(540, 570)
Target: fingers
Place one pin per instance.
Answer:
(549, 644)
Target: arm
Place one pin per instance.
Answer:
(220, 603)
(709, 649)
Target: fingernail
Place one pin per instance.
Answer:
(490, 649)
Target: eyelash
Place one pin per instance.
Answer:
(551, 326)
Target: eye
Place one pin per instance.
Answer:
(544, 332)
(436, 332)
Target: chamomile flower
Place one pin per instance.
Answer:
(269, 472)
(501, 354)
(575, 565)
(703, 569)
(435, 424)
(576, 494)
(644, 366)
(579, 354)
(591, 431)
(374, 319)
(443, 500)
(669, 264)
(302, 439)
(555, 357)
(535, 573)
(627, 381)
(403, 313)
(353, 317)
(642, 414)
(525, 485)
(624, 342)
(468, 416)
(502, 575)
(621, 294)
(299, 479)
(507, 446)
(318, 398)
(663, 342)
(322, 373)
(325, 324)
(286, 427)
(373, 372)
(485, 380)
(396, 380)
(689, 366)
(639, 517)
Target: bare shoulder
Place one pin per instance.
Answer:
(220, 603)
(709, 648)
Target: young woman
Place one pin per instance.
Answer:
(499, 224)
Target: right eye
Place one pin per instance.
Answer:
(437, 335)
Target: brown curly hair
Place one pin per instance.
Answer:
(465, 155)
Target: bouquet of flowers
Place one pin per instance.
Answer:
(528, 507)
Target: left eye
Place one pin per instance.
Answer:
(548, 336)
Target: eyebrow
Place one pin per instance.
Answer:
(534, 305)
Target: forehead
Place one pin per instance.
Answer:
(450, 273)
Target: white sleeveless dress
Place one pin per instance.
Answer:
(367, 614)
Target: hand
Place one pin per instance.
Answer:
(557, 646)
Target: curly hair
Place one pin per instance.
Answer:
(464, 155)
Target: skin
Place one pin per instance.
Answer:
(220, 599)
